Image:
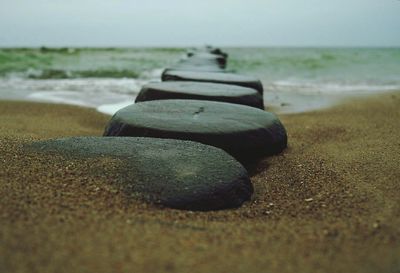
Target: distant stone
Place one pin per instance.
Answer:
(173, 173)
(201, 62)
(218, 51)
(193, 68)
(200, 58)
(201, 91)
(244, 132)
(215, 51)
(226, 78)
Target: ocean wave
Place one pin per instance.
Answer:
(108, 79)
(86, 85)
(73, 74)
(84, 99)
(70, 63)
(364, 65)
(111, 109)
(301, 86)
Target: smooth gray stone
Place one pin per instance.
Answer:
(200, 63)
(205, 54)
(244, 132)
(204, 58)
(201, 91)
(227, 78)
(174, 173)
(194, 68)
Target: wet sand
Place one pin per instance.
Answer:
(329, 203)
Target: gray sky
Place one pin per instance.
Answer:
(189, 22)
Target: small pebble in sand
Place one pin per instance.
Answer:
(376, 225)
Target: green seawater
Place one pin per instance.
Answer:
(340, 65)
(294, 79)
(331, 66)
(377, 66)
(69, 63)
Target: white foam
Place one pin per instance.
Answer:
(63, 97)
(89, 92)
(306, 87)
(154, 74)
(126, 86)
(111, 109)
(110, 95)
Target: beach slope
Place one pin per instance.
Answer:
(329, 203)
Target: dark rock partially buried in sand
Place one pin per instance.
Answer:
(201, 91)
(174, 173)
(244, 132)
(227, 78)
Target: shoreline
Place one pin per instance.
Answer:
(282, 102)
(329, 203)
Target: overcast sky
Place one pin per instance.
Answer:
(189, 22)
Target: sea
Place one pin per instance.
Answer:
(107, 79)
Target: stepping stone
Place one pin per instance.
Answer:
(227, 78)
(201, 91)
(204, 58)
(244, 132)
(218, 51)
(174, 173)
(205, 55)
(194, 68)
(202, 62)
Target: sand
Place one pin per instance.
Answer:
(329, 203)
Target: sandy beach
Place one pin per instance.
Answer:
(329, 203)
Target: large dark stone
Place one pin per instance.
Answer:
(174, 173)
(201, 91)
(227, 78)
(244, 132)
